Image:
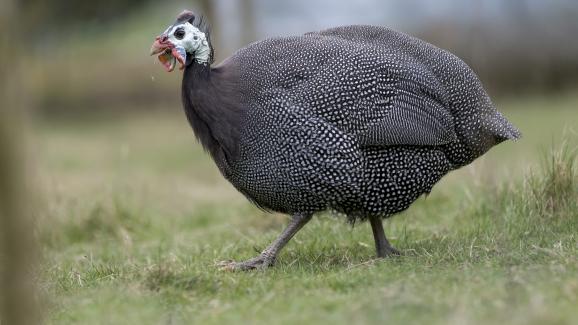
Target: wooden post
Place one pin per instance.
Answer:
(17, 249)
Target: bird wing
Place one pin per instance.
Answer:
(413, 118)
(397, 100)
(358, 79)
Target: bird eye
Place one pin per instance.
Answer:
(195, 37)
(179, 33)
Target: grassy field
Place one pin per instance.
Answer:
(134, 217)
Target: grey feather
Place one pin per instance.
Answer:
(358, 119)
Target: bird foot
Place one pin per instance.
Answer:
(389, 252)
(260, 262)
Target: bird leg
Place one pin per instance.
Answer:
(382, 246)
(268, 256)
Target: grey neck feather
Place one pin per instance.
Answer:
(212, 103)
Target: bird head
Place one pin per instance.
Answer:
(184, 41)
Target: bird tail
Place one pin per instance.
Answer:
(502, 129)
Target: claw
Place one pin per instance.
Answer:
(223, 264)
(394, 252)
(256, 263)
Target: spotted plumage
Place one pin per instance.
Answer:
(358, 119)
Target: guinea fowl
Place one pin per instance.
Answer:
(361, 120)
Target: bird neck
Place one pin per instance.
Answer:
(212, 103)
(203, 54)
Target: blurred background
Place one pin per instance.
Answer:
(110, 152)
(87, 58)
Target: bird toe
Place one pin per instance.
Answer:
(257, 263)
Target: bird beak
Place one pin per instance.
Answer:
(160, 45)
(168, 53)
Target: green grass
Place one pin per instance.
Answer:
(135, 216)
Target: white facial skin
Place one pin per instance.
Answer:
(193, 40)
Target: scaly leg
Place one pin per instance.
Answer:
(382, 246)
(268, 256)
